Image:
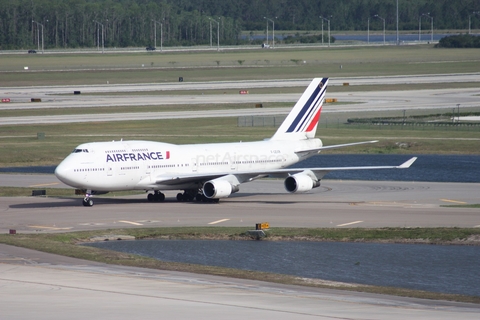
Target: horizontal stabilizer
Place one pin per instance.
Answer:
(336, 146)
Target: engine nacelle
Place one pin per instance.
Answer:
(215, 189)
(301, 182)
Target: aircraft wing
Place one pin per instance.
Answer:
(320, 172)
(278, 173)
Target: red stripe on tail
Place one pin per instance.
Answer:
(314, 122)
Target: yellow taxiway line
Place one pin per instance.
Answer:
(51, 228)
(348, 224)
(219, 221)
(131, 222)
(453, 201)
(43, 185)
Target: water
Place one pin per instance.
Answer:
(434, 168)
(444, 269)
(375, 36)
(389, 38)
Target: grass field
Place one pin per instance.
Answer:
(76, 69)
(19, 145)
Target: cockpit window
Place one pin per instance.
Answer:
(80, 150)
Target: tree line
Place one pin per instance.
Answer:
(459, 41)
(133, 23)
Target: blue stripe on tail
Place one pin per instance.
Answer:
(308, 108)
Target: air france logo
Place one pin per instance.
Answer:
(139, 156)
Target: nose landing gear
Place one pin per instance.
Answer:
(87, 201)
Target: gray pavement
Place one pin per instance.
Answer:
(353, 101)
(337, 203)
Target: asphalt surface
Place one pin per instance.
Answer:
(354, 101)
(43, 286)
(336, 203)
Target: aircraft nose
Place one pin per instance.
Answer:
(62, 172)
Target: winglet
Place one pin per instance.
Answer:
(407, 164)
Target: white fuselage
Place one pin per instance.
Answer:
(130, 165)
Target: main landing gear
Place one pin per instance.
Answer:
(157, 196)
(194, 195)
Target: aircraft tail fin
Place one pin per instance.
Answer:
(301, 123)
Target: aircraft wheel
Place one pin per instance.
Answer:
(161, 197)
(150, 197)
(179, 197)
(87, 202)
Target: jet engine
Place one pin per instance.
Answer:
(215, 189)
(301, 182)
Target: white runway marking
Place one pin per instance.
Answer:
(131, 222)
(348, 224)
(219, 221)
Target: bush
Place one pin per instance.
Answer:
(459, 41)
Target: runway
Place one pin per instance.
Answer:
(55, 97)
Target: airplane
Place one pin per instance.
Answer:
(207, 172)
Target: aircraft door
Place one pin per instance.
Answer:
(109, 169)
(233, 162)
(193, 165)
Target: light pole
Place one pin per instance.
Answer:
(458, 113)
(368, 30)
(218, 33)
(383, 27)
(398, 37)
(419, 28)
(161, 34)
(267, 34)
(431, 19)
(210, 33)
(273, 39)
(328, 20)
(469, 24)
(38, 40)
(470, 21)
(322, 29)
(103, 41)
